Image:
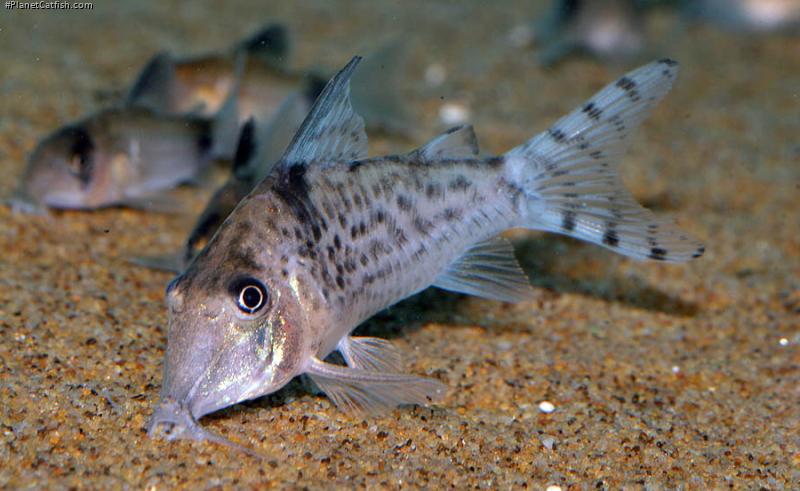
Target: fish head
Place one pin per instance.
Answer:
(64, 170)
(235, 331)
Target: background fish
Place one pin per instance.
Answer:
(259, 148)
(754, 16)
(118, 156)
(200, 85)
(331, 237)
(605, 28)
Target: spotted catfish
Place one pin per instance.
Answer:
(330, 237)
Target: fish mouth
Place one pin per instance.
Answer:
(173, 421)
(22, 201)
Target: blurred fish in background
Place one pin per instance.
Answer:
(182, 113)
(260, 147)
(199, 85)
(116, 156)
(749, 16)
(608, 29)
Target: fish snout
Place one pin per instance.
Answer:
(173, 421)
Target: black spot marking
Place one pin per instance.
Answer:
(658, 254)
(668, 62)
(557, 135)
(497, 161)
(243, 259)
(337, 242)
(618, 123)
(699, 252)
(403, 202)
(452, 214)
(340, 281)
(81, 163)
(433, 190)
(597, 155)
(460, 183)
(293, 189)
(626, 84)
(610, 238)
(422, 225)
(592, 111)
(568, 221)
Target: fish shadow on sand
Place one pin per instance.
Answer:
(539, 256)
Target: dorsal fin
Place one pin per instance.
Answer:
(226, 126)
(488, 269)
(457, 142)
(270, 43)
(154, 85)
(246, 147)
(332, 131)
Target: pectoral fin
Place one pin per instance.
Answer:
(373, 354)
(363, 391)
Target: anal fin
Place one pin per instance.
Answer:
(487, 269)
(363, 391)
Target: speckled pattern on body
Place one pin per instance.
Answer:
(661, 376)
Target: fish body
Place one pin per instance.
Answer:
(609, 29)
(331, 237)
(115, 156)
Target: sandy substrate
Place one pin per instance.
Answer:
(661, 376)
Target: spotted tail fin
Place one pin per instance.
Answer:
(570, 173)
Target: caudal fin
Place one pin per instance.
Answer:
(570, 172)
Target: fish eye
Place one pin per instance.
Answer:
(250, 294)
